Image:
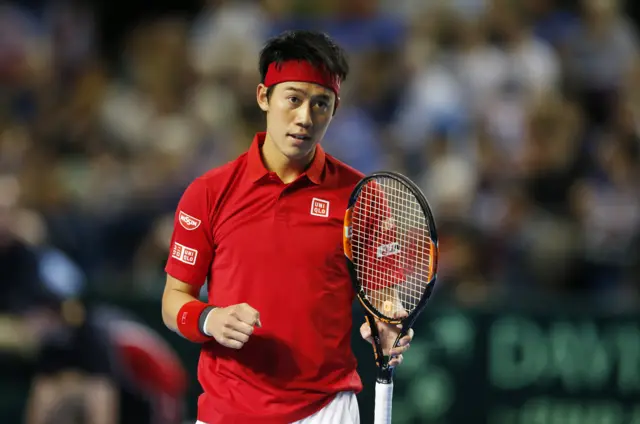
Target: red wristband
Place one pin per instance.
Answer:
(189, 319)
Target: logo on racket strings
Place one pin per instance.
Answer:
(387, 306)
(388, 249)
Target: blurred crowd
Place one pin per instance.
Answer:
(518, 118)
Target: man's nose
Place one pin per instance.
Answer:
(303, 117)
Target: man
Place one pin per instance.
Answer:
(265, 230)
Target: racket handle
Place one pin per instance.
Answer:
(384, 400)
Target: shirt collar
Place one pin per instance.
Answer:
(256, 169)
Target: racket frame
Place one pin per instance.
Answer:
(384, 371)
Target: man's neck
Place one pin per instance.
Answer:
(288, 170)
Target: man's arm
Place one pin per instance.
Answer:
(191, 255)
(176, 295)
(230, 326)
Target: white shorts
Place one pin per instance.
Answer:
(343, 409)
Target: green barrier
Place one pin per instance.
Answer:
(495, 366)
(503, 367)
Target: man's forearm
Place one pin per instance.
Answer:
(172, 302)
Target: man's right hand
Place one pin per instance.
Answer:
(231, 326)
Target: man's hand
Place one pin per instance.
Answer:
(232, 326)
(388, 334)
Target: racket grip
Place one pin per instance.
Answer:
(384, 401)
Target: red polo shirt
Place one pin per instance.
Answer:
(277, 247)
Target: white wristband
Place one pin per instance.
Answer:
(205, 323)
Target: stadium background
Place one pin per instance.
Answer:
(519, 119)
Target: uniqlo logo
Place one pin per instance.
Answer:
(189, 256)
(319, 207)
(184, 254)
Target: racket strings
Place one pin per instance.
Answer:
(391, 246)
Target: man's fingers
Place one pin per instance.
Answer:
(399, 350)
(407, 338)
(365, 332)
(236, 335)
(396, 360)
(401, 314)
(246, 313)
(240, 327)
(232, 344)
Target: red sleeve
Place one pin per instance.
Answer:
(191, 249)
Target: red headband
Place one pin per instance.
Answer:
(303, 71)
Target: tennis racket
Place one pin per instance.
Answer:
(391, 247)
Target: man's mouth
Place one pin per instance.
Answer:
(301, 137)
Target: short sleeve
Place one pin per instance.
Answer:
(191, 250)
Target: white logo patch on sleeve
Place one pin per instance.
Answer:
(184, 254)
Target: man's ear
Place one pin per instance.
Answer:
(335, 105)
(261, 97)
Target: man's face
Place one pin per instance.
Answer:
(298, 115)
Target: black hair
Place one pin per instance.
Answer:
(315, 47)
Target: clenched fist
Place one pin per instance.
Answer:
(231, 326)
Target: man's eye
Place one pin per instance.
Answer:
(294, 100)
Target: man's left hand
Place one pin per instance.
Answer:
(388, 334)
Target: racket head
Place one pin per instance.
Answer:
(390, 243)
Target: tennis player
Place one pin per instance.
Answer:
(265, 232)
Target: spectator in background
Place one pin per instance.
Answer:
(598, 53)
(97, 364)
(74, 376)
(20, 281)
(432, 98)
(551, 22)
(92, 364)
(367, 105)
(529, 69)
(608, 209)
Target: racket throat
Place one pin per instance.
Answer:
(385, 372)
